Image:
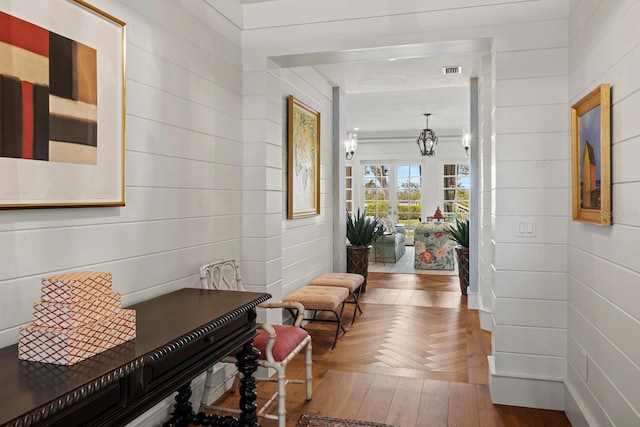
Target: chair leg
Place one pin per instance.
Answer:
(282, 393)
(308, 373)
(208, 380)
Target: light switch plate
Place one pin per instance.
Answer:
(526, 227)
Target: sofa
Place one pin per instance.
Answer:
(390, 246)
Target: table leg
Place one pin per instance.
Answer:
(247, 363)
(182, 414)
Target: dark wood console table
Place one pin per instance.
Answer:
(179, 335)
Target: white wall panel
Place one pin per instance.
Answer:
(150, 170)
(531, 91)
(531, 119)
(533, 146)
(530, 64)
(548, 229)
(618, 327)
(531, 365)
(533, 174)
(530, 257)
(149, 136)
(532, 201)
(612, 378)
(617, 244)
(625, 172)
(530, 312)
(529, 340)
(531, 284)
(157, 105)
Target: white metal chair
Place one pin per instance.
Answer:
(278, 344)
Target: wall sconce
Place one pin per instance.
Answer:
(466, 140)
(351, 144)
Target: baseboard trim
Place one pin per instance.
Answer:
(472, 301)
(542, 393)
(575, 411)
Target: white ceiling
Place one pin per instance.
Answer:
(390, 88)
(390, 97)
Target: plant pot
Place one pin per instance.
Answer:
(358, 261)
(462, 256)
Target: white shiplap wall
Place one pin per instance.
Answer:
(184, 170)
(530, 183)
(282, 255)
(603, 316)
(307, 243)
(485, 260)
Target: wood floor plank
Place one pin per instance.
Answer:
(376, 403)
(434, 404)
(525, 417)
(490, 415)
(463, 405)
(403, 410)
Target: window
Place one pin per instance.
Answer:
(409, 195)
(456, 191)
(376, 190)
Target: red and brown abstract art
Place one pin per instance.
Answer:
(48, 95)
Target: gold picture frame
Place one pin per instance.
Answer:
(303, 160)
(591, 157)
(62, 72)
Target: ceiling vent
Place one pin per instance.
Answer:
(456, 69)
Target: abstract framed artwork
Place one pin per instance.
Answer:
(62, 105)
(591, 157)
(303, 162)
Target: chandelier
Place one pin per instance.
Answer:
(427, 140)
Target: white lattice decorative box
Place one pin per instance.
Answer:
(68, 346)
(75, 287)
(79, 316)
(73, 315)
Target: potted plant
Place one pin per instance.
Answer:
(460, 234)
(362, 231)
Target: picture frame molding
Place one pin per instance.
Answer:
(600, 96)
(292, 211)
(38, 190)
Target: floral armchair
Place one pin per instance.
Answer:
(433, 247)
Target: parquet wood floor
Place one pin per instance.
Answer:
(416, 357)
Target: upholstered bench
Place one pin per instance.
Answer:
(322, 298)
(353, 282)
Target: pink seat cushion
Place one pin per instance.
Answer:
(287, 338)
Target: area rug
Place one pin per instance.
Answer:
(318, 421)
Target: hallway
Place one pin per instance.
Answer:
(415, 357)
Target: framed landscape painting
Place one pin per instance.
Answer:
(62, 105)
(303, 161)
(591, 157)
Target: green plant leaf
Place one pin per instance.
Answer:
(363, 230)
(460, 232)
